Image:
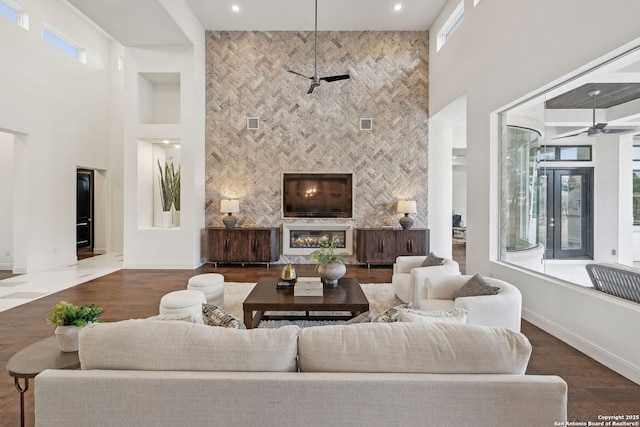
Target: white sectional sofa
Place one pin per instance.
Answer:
(164, 373)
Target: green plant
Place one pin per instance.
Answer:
(327, 253)
(67, 314)
(166, 181)
(176, 189)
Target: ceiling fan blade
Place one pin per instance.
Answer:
(617, 130)
(298, 74)
(572, 134)
(335, 78)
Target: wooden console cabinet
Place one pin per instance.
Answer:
(378, 246)
(243, 245)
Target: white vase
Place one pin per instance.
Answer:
(167, 218)
(330, 273)
(176, 218)
(67, 337)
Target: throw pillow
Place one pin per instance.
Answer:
(432, 260)
(455, 315)
(392, 314)
(476, 286)
(360, 318)
(215, 316)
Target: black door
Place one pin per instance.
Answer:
(84, 210)
(567, 229)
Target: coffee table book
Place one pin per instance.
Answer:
(308, 287)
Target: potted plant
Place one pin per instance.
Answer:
(166, 181)
(68, 320)
(176, 196)
(329, 262)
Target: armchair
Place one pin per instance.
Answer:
(503, 309)
(409, 276)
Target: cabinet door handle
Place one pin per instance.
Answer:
(409, 246)
(382, 246)
(226, 244)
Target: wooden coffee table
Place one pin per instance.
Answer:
(346, 296)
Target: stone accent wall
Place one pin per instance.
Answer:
(247, 77)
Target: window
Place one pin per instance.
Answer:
(451, 25)
(14, 15)
(636, 153)
(564, 153)
(636, 197)
(63, 45)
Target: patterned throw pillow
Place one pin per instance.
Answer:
(215, 316)
(392, 314)
(455, 315)
(476, 286)
(432, 260)
(360, 318)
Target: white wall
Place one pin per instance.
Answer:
(6, 195)
(495, 59)
(60, 108)
(178, 247)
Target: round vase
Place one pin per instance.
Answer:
(67, 337)
(330, 273)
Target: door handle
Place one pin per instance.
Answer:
(551, 222)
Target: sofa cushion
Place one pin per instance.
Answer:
(432, 260)
(437, 348)
(180, 346)
(213, 315)
(454, 315)
(476, 286)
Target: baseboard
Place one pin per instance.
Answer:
(592, 350)
(6, 266)
(158, 267)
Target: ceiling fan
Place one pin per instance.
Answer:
(316, 79)
(596, 129)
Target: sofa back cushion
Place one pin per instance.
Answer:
(433, 348)
(154, 345)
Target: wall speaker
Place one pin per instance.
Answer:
(366, 124)
(253, 123)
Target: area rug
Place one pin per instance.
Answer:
(380, 296)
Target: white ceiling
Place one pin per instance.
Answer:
(138, 23)
(333, 15)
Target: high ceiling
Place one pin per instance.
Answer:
(137, 23)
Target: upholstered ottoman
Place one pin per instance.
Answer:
(183, 302)
(211, 284)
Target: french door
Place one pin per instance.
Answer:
(84, 210)
(566, 212)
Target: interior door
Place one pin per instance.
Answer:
(84, 210)
(566, 196)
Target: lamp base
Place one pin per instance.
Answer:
(406, 222)
(229, 221)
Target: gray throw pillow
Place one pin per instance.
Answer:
(392, 314)
(360, 318)
(432, 260)
(476, 286)
(213, 315)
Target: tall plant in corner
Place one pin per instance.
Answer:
(166, 185)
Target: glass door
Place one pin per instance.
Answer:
(566, 224)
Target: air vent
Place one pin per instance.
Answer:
(253, 123)
(366, 124)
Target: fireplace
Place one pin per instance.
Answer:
(305, 238)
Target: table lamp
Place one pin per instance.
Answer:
(407, 207)
(230, 207)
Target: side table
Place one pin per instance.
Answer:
(35, 358)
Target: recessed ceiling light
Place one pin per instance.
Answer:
(397, 7)
(235, 8)
(166, 141)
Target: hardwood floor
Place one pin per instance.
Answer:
(593, 389)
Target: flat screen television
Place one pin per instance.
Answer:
(317, 195)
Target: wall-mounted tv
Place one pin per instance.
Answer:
(317, 195)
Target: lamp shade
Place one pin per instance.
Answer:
(407, 206)
(229, 206)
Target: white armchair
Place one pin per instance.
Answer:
(503, 309)
(409, 276)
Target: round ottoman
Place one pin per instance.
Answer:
(182, 302)
(211, 284)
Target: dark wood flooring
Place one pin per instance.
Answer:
(593, 389)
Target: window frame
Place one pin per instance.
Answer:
(451, 25)
(56, 39)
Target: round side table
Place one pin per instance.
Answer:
(35, 358)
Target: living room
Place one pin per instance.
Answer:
(56, 127)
